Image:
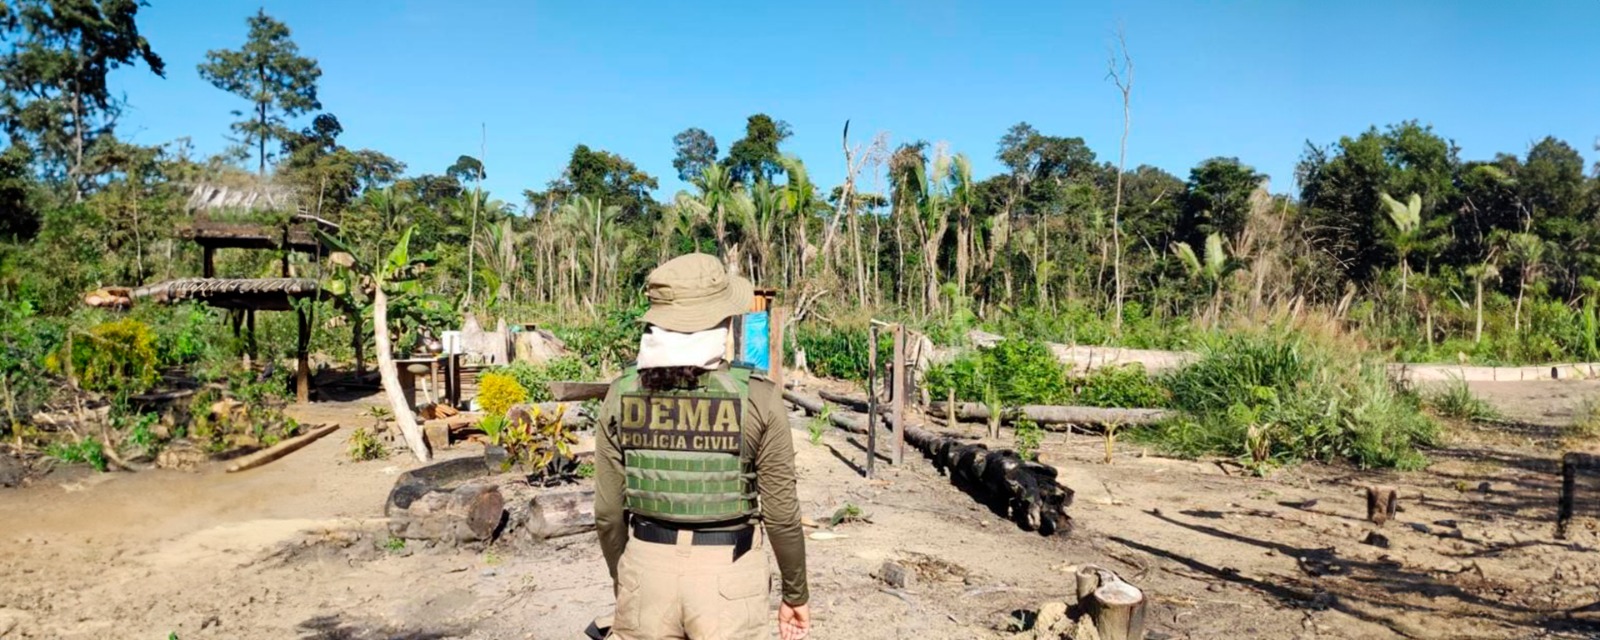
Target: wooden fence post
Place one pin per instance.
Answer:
(899, 387)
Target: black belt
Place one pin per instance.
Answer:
(740, 539)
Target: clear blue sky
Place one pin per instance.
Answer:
(1256, 80)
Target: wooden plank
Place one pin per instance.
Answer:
(570, 391)
(898, 387)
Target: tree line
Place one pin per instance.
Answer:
(1390, 228)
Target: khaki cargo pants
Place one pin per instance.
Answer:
(683, 591)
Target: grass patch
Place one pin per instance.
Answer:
(1274, 396)
(1585, 420)
(1456, 401)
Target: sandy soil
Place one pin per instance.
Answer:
(296, 549)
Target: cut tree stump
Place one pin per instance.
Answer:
(468, 514)
(1116, 607)
(1382, 501)
(578, 391)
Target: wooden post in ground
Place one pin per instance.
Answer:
(872, 398)
(302, 358)
(775, 345)
(1381, 504)
(899, 388)
(1116, 607)
(208, 265)
(252, 352)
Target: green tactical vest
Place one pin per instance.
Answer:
(682, 451)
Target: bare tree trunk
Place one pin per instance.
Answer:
(390, 376)
(1124, 82)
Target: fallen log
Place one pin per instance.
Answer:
(1024, 491)
(1116, 607)
(559, 512)
(281, 449)
(418, 482)
(1055, 415)
(467, 514)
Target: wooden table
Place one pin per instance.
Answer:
(439, 369)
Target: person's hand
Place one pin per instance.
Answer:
(794, 622)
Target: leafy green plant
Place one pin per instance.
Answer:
(365, 445)
(87, 451)
(1014, 372)
(536, 378)
(585, 470)
(1028, 436)
(849, 512)
(1124, 386)
(836, 352)
(818, 424)
(1455, 400)
(115, 357)
(1275, 395)
(394, 544)
(537, 441)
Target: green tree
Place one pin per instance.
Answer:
(755, 157)
(1214, 270)
(694, 151)
(269, 72)
(336, 175)
(57, 100)
(1406, 221)
(1217, 199)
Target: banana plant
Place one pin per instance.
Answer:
(1407, 220)
(369, 286)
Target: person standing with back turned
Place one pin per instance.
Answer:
(694, 474)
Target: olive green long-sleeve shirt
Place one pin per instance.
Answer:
(767, 442)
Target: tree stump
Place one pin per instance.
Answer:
(562, 511)
(467, 514)
(1116, 607)
(1382, 502)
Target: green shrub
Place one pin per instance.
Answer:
(1012, 372)
(1124, 386)
(365, 445)
(536, 378)
(835, 352)
(1028, 435)
(87, 451)
(610, 341)
(116, 356)
(1272, 396)
(1456, 401)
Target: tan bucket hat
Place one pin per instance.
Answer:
(694, 292)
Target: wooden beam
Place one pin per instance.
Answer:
(208, 266)
(568, 391)
(1052, 414)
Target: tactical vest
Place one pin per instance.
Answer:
(682, 451)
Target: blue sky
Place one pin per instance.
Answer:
(417, 78)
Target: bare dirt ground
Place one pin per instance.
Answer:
(297, 549)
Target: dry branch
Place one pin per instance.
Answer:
(281, 449)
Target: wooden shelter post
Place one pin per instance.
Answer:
(898, 387)
(302, 356)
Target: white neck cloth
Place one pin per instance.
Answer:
(662, 348)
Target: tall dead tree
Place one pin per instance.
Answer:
(1121, 73)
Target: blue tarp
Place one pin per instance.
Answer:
(755, 340)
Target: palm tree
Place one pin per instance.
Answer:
(1407, 221)
(801, 201)
(716, 185)
(1528, 250)
(599, 225)
(963, 196)
(1214, 270)
(497, 251)
(1486, 270)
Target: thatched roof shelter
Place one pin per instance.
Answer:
(266, 294)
